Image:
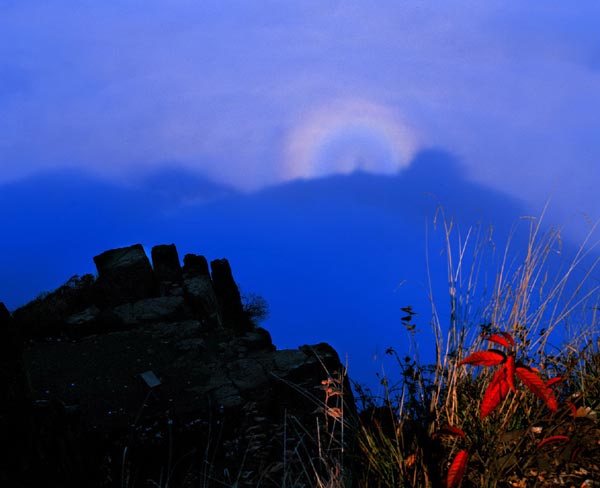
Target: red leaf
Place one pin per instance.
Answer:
(508, 337)
(502, 338)
(484, 358)
(457, 469)
(552, 439)
(553, 381)
(510, 372)
(451, 431)
(495, 393)
(537, 386)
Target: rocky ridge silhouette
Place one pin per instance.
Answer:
(155, 370)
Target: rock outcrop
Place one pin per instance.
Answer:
(156, 371)
(125, 275)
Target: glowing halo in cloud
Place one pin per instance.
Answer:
(349, 135)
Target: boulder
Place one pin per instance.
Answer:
(228, 295)
(199, 293)
(125, 275)
(256, 340)
(198, 290)
(152, 310)
(194, 265)
(165, 262)
(84, 319)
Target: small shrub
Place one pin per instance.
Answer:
(256, 308)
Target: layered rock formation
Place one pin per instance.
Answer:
(156, 371)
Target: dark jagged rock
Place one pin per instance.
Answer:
(228, 295)
(165, 262)
(15, 401)
(153, 310)
(46, 315)
(194, 265)
(84, 319)
(13, 381)
(200, 295)
(4, 315)
(125, 275)
(199, 291)
(123, 371)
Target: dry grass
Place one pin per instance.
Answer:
(520, 295)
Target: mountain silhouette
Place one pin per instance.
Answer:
(434, 178)
(336, 258)
(173, 185)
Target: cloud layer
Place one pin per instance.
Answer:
(252, 94)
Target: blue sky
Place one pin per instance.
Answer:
(248, 97)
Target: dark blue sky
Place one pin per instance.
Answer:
(295, 139)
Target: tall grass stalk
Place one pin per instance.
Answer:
(550, 310)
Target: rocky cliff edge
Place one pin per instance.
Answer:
(157, 369)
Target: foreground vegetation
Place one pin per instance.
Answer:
(512, 398)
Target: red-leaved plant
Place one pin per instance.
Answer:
(458, 466)
(504, 378)
(502, 382)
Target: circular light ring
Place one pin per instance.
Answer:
(324, 131)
